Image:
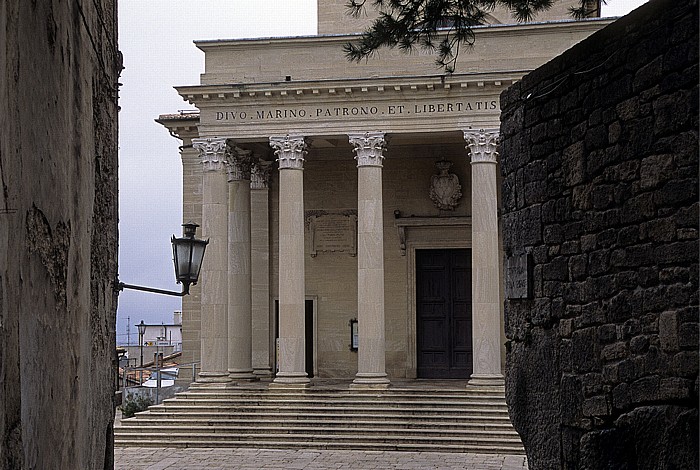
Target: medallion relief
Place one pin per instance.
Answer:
(445, 190)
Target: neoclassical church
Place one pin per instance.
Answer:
(352, 209)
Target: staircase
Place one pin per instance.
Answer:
(427, 418)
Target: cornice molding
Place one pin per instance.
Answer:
(384, 87)
(501, 29)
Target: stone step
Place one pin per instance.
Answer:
(324, 438)
(322, 433)
(365, 428)
(340, 420)
(498, 403)
(337, 413)
(340, 412)
(376, 419)
(419, 420)
(331, 402)
(329, 395)
(315, 407)
(357, 445)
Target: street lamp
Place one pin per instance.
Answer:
(142, 330)
(188, 253)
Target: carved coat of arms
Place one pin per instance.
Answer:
(445, 190)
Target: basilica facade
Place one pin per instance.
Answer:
(351, 209)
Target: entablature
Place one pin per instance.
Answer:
(202, 95)
(332, 107)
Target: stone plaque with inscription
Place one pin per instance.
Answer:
(518, 276)
(332, 231)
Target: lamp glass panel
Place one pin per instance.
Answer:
(198, 248)
(182, 248)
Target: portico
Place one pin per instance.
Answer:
(293, 251)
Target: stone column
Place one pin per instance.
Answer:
(486, 312)
(191, 304)
(290, 151)
(214, 273)
(371, 360)
(240, 331)
(260, 267)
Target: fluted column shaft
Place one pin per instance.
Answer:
(214, 273)
(486, 317)
(371, 352)
(260, 267)
(290, 151)
(240, 331)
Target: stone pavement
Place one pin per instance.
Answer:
(143, 458)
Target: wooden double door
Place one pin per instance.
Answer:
(444, 317)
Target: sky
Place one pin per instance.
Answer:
(156, 39)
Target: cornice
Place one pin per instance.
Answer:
(491, 29)
(181, 125)
(203, 95)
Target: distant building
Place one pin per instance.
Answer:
(157, 338)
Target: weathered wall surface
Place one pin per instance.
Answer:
(58, 232)
(600, 165)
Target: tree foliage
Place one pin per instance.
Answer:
(439, 26)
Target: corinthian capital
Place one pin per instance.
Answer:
(290, 151)
(482, 145)
(212, 153)
(239, 163)
(260, 174)
(368, 148)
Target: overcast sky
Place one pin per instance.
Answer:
(156, 38)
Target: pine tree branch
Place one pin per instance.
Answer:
(438, 26)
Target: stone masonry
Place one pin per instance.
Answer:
(58, 233)
(600, 200)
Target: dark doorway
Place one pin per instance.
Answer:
(308, 333)
(444, 317)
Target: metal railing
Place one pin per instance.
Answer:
(129, 374)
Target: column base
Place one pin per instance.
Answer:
(370, 381)
(263, 373)
(213, 377)
(486, 380)
(243, 376)
(291, 380)
(212, 382)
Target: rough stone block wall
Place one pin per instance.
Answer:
(600, 189)
(58, 233)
